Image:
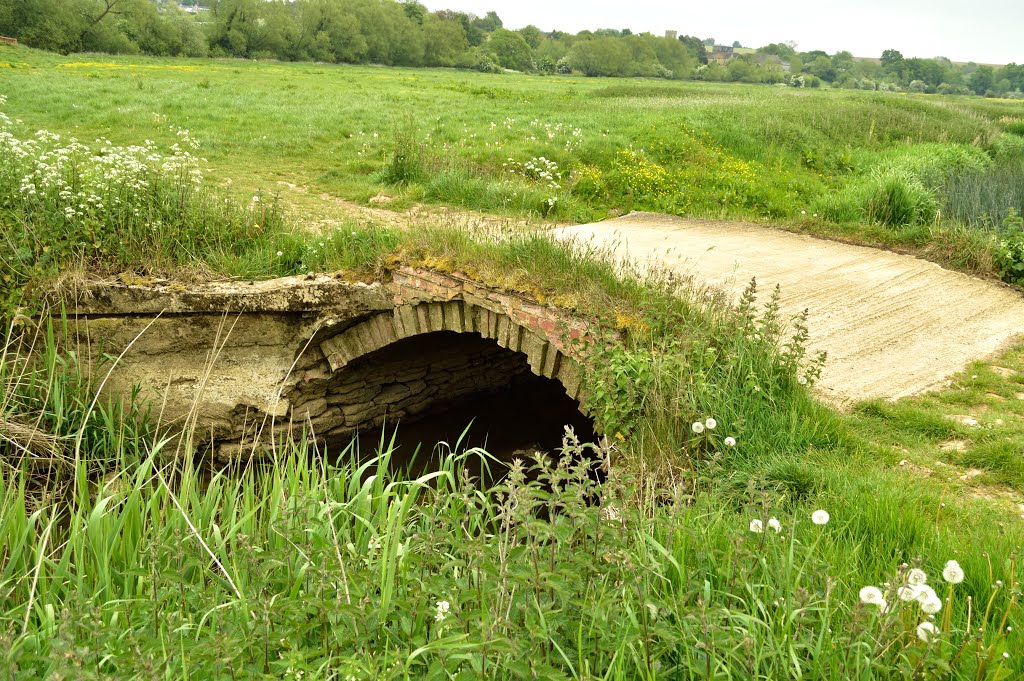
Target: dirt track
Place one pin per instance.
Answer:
(893, 325)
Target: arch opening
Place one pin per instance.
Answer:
(430, 388)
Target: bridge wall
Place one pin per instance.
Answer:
(235, 362)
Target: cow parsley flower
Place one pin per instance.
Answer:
(953, 573)
(441, 611)
(820, 517)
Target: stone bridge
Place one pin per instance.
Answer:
(234, 363)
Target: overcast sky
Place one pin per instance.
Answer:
(985, 31)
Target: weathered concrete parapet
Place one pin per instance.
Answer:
(236, 356)
(318, 294)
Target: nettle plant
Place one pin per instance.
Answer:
(751, 356)
(1009, 252)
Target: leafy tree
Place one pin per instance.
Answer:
(709, 41)
(47, 24)
(600, 57)
(781, 50)
(511, 50)
(489, 23)
(674, 56)
(982, 80)
(532, 35)
(414, 10)
(1014, 73)
(842, 62)
(444, 41)
(736, 43)
(892, 61)
(696, 47)
(822, 68)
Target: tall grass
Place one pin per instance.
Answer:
(985, 197)
(303, 569)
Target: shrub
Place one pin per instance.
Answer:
(1008, 147)
(488, 64)
(896, 199)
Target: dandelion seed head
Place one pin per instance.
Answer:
(820, 517)
(871, 595)
(916, 577)
(952, 572)
(926, 631)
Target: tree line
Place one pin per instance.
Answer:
(407, 34)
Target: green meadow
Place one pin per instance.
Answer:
(909, 171)
(703, 552)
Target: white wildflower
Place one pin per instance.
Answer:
(926, 631)
(931, 604)
(953, 573)
(908, 593)
(697, 427)
(730, 442)
(441, 611)
(775, 524)
(916, 577)
(710, 423)
(871, 595)
(756, 526)
(820, 517)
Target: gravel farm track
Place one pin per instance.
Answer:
(893, 325)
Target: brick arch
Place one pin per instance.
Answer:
(538, 337)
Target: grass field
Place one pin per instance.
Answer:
(122, 561)
(813, 159)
